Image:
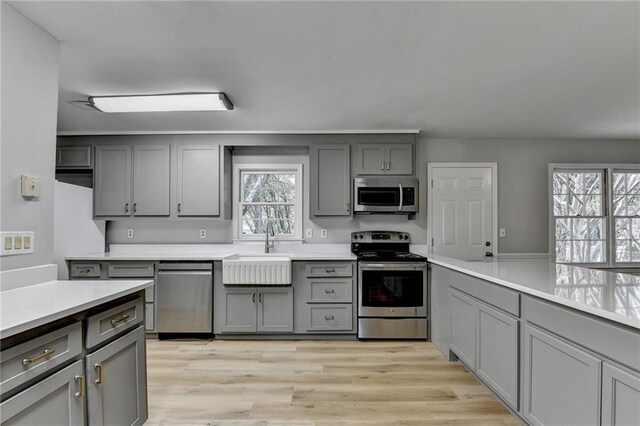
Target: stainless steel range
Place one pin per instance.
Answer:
(392, 286)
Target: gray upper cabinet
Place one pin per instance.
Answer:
(382, 159)
(116, 382)
(198, 180)
(620, 397)
(330, 177)
(561, 382)
(112, 181)
(151, 170)
(73, 156)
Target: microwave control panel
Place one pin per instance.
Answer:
(408, 198)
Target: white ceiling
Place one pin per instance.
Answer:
(449, 69)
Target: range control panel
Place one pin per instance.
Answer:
(380, 237)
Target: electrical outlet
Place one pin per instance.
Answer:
(203, 233)
(308, 233)
(323, 233)
(503, 232)
(129, 233)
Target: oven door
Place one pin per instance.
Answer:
(392, 289)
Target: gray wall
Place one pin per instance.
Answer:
(29, 105)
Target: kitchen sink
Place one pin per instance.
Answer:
(257, 269)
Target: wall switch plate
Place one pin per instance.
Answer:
(503, 232)
(308, 233)
(18, 242)
(129, 233)
(203, 233)
(323, 233)
(30, 186)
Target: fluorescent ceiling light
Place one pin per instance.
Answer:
(163, 103)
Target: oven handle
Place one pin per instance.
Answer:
(394, 267)
(401, 200)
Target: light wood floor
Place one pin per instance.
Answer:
(317, 383)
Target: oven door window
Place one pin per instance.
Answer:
(389, 289)
(379, 196)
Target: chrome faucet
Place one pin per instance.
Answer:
(267, 244)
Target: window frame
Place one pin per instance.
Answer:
(607, 200)
(238, 169)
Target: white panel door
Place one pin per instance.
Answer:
(462, 212)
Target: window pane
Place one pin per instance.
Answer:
(633, 205)
(268, 187)
(619, 205)
(633, 183)
(563, 251)
(635, 228)
(622, 251)
(560, 205)
(619, 183)
(576, 205)
(563, 229)
(577, 193)
(626, 202)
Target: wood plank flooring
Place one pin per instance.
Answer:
(313, 383)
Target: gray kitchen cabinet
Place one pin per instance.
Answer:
(330, 180)
(42, 403)
(73, 157)
(561, 381)
(383, 159)
(112, 181)
(116, 382)
(439, 309)
(463, 328)
(620, 397)
(151, 180)
(198, 180)
(254, 309)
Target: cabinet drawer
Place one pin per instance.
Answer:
(22, 363)
(492, 294)
(107, 324)
(329, 270)
(85, 270)
(330, 318)
(329, 290)
(129, 270)
(150, 317)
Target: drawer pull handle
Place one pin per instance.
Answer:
(329, 290)
(179, 207)
(329, 270)
(116, 321)
(328, 317)
(100, 370)
(79, 394)
(45, 354)
(253, 297)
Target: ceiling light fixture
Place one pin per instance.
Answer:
(162, 102)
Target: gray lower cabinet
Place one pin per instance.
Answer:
(112, 181)
(561, 381)
(151, 180)
(198, 180)
(116, 382)
(330, 177)
(463, 328)
(254, 309)
(620, 397)
(56, 400)
(440, 311)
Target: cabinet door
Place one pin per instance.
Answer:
(239, 309)
(56, 400)
(112, 189)
(330, 180)
(371, 159)
(399, 158)
(497, 352)
(463, 328)
(440, 312)
(151, 170)
(73, 156)
(117, 382)
(198, 182)
(620, 397)
(275, 310)
(561, 382)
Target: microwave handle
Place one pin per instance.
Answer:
(401, 200)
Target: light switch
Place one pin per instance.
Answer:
(26, 242)
(17, 243)
(30, 186)
(8, 243)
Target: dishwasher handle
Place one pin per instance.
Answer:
(185, 267)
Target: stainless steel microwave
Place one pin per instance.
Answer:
(386, 195)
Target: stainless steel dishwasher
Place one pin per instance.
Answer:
(184, 298)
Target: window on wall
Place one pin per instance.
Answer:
(595, 215)
(269, 197)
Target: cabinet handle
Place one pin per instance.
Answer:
(43, 355)
(179, 207)
(330, 270)
(348, 206)
(382, 166)
(329, 290)
(100, 370)
(135, 207)
(253, 297)
(388, 165)
(328, 317)
(79, 394)
(260, 297)
(126, 208)
(124, 317)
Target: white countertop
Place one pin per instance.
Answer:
(24, 308)
(611, 295)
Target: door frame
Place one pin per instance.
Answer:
(494, 198)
